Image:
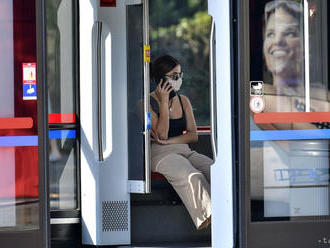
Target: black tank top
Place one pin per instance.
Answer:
(176, 126)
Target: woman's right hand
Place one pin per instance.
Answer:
(155, 138)
(163, 92)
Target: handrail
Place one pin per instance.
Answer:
(146, 75)
(306, 49)
(212, 119)
(99, 89)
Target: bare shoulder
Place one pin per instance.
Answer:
(186, 102)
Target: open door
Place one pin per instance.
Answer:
(24, 220)
(138, 90)
(107, 29)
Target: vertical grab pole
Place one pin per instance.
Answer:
(99, 90)
(214, 151)
(146, 79)
(306, 45)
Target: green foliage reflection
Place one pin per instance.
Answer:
(182, 29)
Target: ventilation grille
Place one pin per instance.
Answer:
(114, 216)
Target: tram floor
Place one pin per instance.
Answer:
(175, 245)
(160, 219)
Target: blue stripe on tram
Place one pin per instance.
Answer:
(309, 134)
(6, 141)
(9, 141)
(62, 134)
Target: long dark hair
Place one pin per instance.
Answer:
(161, 66)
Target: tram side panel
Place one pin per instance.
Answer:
(103, 82)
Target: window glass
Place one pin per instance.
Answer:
(289, 109)
(62, 169)
(19, 172)
(135, 92)
(61, 62)
(182, 29)
(60, 56)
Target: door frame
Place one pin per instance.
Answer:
(39, 238)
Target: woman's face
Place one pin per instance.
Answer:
(175, 72)
(282, 44)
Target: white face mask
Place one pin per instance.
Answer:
(176, 84)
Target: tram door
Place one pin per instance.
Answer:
(24, 220)
(111, 35)
(283, 127)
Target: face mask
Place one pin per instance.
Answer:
(176, 84)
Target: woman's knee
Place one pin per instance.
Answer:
(175, 166)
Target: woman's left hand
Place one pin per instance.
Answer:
(154, 137)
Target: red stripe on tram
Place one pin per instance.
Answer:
(16, 123)
(203, 129)
(291, 117)
(62, 118)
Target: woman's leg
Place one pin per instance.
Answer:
(201, 163)
(189, 183)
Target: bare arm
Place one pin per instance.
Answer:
(161, 124)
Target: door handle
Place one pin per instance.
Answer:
(306, 49)
(99, 88)
(212, 100)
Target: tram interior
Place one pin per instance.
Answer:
(159, 218)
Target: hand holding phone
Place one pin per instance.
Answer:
(163, 81)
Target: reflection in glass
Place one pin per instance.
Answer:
(61, 106)
(60, 56)
(63, 171)
(290, 176)
(19, 198)
(19, 178)
(182, 29)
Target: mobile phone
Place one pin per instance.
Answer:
(172, 93)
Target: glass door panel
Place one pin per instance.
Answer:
(139, 118)
(61, 59)
(289, 110)
(19, 179)
(62, 84)
(22, 205)
(62, 169)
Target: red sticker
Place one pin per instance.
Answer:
(29, 73)
(108, 3)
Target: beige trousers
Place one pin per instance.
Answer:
(189, 174)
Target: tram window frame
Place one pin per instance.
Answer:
(75, 125)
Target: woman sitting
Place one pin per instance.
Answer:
(173, 128)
